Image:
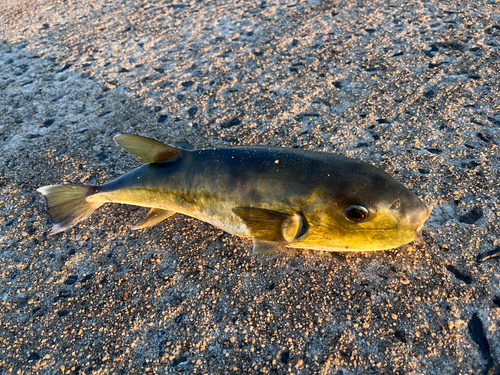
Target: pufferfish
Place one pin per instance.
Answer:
(278, 197)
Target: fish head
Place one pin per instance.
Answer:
(370, 211)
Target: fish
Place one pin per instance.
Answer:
(278, 197)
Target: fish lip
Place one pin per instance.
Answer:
(418, 232)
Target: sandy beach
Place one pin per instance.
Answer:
(410, 87)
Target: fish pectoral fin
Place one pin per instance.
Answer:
(147, 150)
(272, 226)
(154, 216)
(266, 247)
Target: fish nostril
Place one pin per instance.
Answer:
(396, 204)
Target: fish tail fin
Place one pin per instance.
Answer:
(67, 205)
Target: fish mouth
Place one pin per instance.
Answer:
(418, 232)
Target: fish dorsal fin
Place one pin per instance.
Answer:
(271, 230)
(147, 150)
(154, 216)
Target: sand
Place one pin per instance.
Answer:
(411, 87)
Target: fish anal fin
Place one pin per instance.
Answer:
(266, 247)
(154, 216)
(271, 230)
(147, 150)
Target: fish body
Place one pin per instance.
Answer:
(276, 196)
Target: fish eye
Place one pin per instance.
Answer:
(356, 213)
(396, 204)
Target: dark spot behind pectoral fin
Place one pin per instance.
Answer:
(148, 150)
(154, 216)
(271, 230)
(266, 247)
